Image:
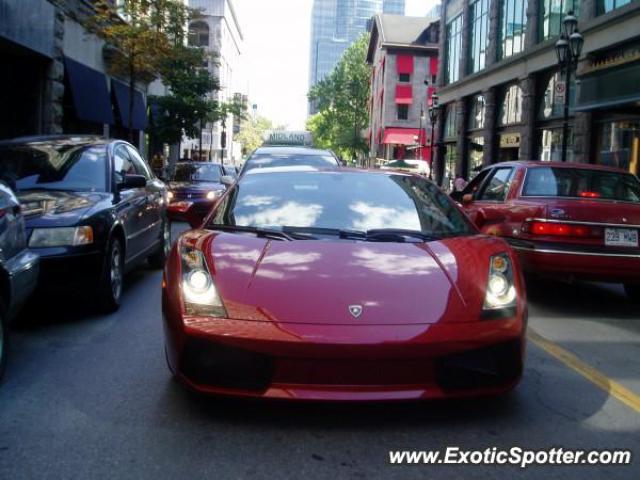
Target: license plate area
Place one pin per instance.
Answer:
(620, 237)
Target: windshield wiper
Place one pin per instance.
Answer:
(259, 231)
(382, 234)
(373, 235)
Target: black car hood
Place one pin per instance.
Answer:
(196, 186)
(59, 208)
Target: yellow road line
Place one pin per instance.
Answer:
(613, 388)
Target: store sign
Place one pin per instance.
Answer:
(285, 137)
(510, 140)
(619, 57)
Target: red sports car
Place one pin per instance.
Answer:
(564, 219)
(342, 285)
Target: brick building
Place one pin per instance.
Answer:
(501, 93)
(403, 54)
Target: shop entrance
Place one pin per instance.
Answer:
(619, 144)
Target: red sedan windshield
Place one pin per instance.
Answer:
(581, 183)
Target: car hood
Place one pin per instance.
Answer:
(323, 282)
(195, 186)
(46, 207)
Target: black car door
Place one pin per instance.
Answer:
(131, 204)
(154, 199)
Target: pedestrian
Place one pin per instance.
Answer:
(459, 183)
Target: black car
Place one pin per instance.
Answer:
(18, 265)
(199, 183)
(93, 209)
(283, 156)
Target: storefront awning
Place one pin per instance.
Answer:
(609, 88)
(404, 94)
(139, 111)
(89, 92)
(400, 136)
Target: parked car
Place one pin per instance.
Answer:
(18, 266)
(277, 156)
(93, 209)
(308, 284)
(564, 219)
(200, 183)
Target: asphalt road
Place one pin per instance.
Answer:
(90, 396)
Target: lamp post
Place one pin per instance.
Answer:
(433, 116)
(568, 49)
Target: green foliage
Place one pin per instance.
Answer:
(252, 133)
(342, 101)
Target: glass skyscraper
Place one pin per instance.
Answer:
(338, 23)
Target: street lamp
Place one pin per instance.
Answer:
(433, 116)
(568, 49)
(418, 138)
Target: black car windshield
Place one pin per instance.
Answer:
(54, 166)
(581, 183)
(287, 160)
(360, 201)
(197, 172)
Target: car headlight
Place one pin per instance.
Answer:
(61, 237)
(170, 196)
(199, 293)
(212, 195)
(501, 291)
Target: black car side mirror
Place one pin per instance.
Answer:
(132, 181)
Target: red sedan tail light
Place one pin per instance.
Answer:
(560, 229)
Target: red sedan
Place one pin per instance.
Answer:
(342, 285)
(564, 219)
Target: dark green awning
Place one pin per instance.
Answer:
(611, 87)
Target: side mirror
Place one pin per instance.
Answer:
(185, 212)
(227, 180)
(132, 181)
(467, 198)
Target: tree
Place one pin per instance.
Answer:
(342, 100)
(252, 133)
(141, 35)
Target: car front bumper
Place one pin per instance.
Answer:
(341, 363)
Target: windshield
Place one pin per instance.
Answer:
(197, 173)
(345, 201)
(54, 167)
(264, 161)
(581, 183)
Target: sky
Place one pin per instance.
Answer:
(275, 57)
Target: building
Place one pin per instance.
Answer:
(403, 54)
(218, 31)
(336, 24)
(502, 95)
(57, 79)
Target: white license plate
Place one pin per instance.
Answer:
(620, 237)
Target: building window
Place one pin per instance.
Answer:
(552, 12)
(513, 26)
(450, 124)
(199, 34)
(403, 112)
(404, 77)
(619, 144)
(605, 6)
(511, 106)
(552, 102)
(454, 46)
(476, 112)
(479, 34)
(550, 145)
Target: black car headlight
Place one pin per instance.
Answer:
(501, 290)
(61, 237)
(199, 293)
